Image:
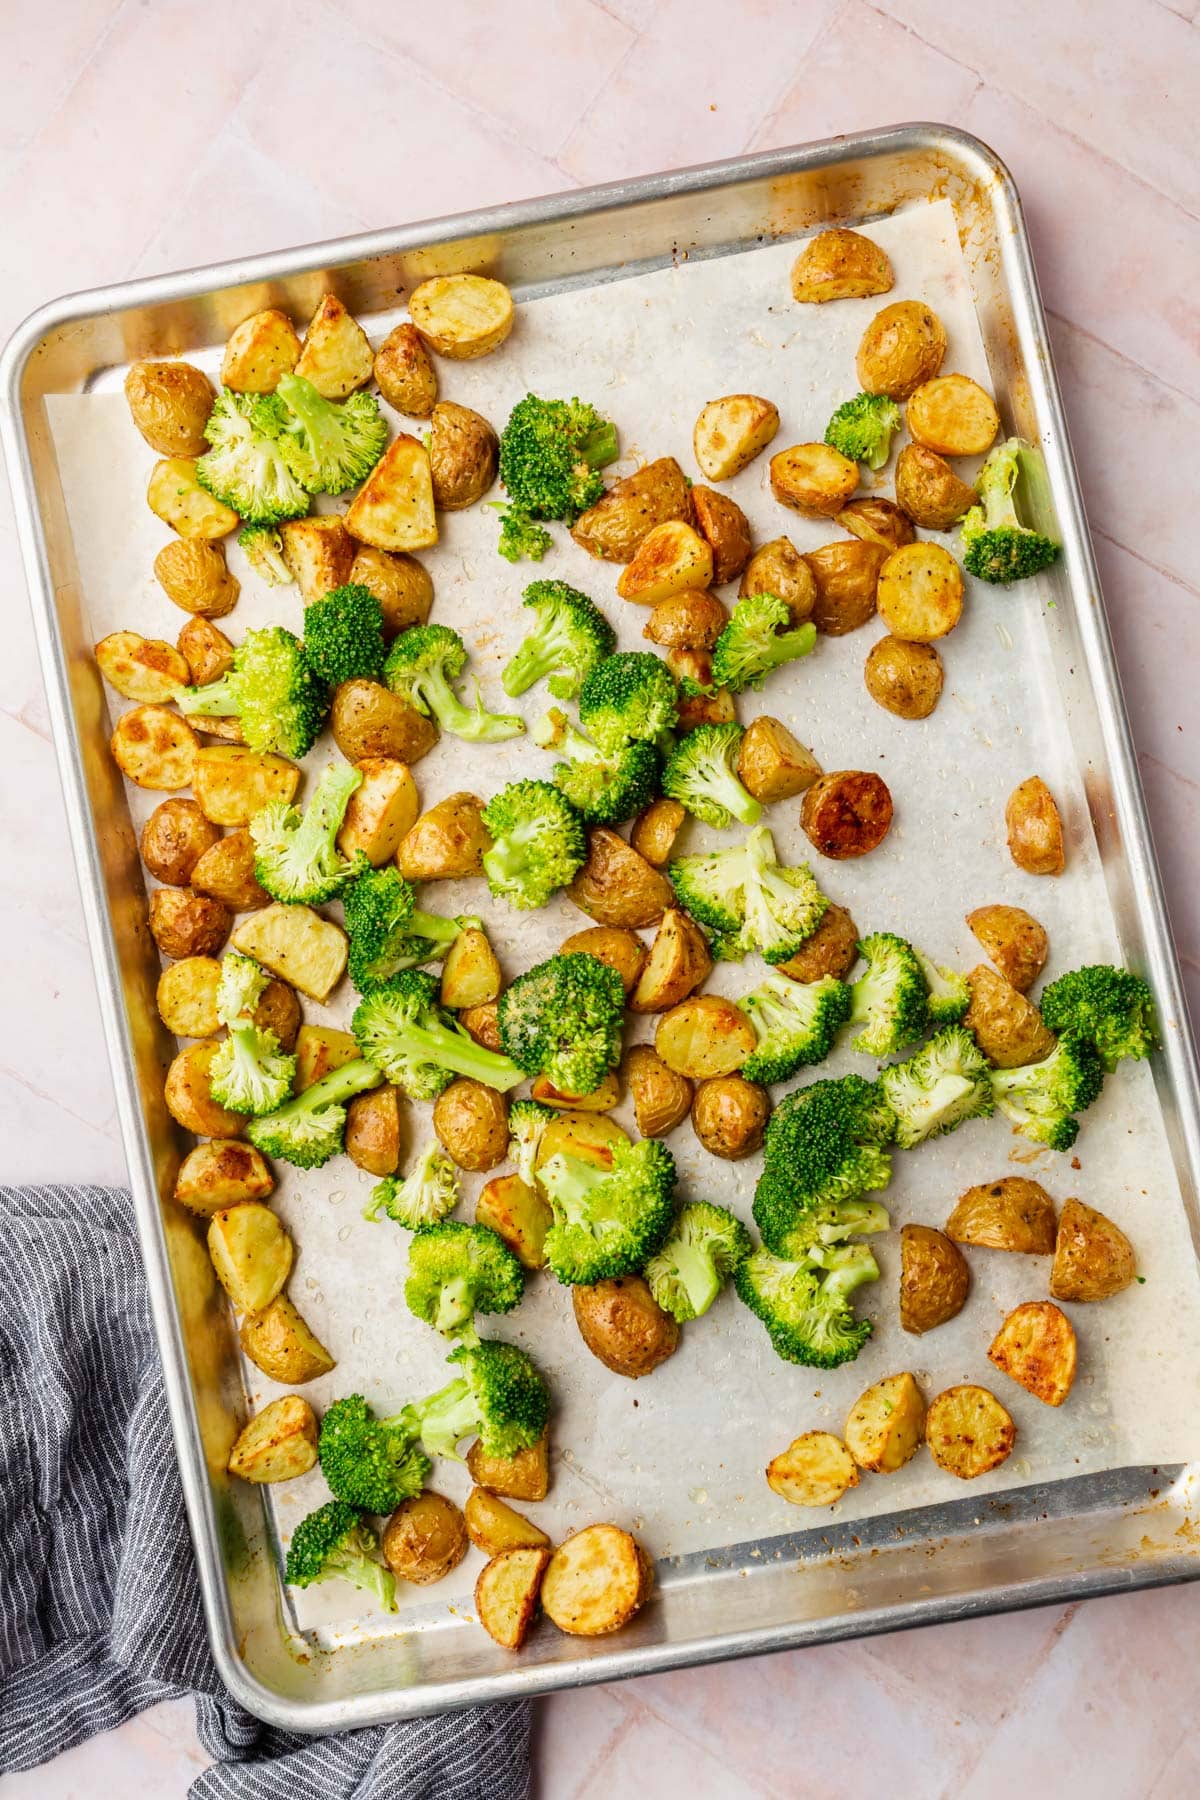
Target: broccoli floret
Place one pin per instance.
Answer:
(264, 552)
(863, 428)
(425, 1195)
(807, 1306)
(279, 698)
(939, 1088)
(521, 539)
(329, 447)
(891, 1000)
(792, 1227)
(828, 1141)
(538, 843)
(604, 790)
(401, 1029)
(422, 663)
(570, 638)
(749, 899)
(527, 1120)
(296, 857)
(630, 697)
(250, 1073)
(705, 1247)
(369, 1462)
(241, 987)
(389, 932)
(343, 635)
(310, 1129)
(757, 640)
(607, 1222)
(1041, 1097)
(795, 1023)
(336, 1544)
(499, 1398)
(246, 468)
(996, 546)
(563, 1019)
(949, 993)
(1110, 1008)
(455, 1271)
(701, 773)
(551, 452)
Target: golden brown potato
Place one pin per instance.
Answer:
(920, 593)
(953, 416)
(902, 347)
(1035, 833)
(169, 402)
(934, 1279)
(373, 1130)
(446, 843)
(139, 668)
(471, 1122)
(885, 1423)
(655, 830)
(278, 1011)
(1007, 1026)
(220, 1174)
(278, 1444)
(400, 583)
(186, 997)
(596, 1581)
(661, 1098)
(463, 454)
(261, 349)
(877, 521)
(335, 356)
(589, 1136)
(725, 529)
(930, 492)
(968, 1432)
(904, 678)
(623, 1325)
(405, 374)
(511, 1208)
(839, 264)
(707, 705)
(494, 1527)
(251, 1253)
(730, 433)
(381, 810)
(193, 575)
(704, 1037)
(462, 316)
(778, 568)
(671, 559)
(621, 518)
(813, 479)
(602, 1099)
(320, 1048)
(1013, 1213)
(525, 1476)
(297, 944)
(368, 720)
(206, 650)
(729, 1116)
(848, 813)
(470, 973)
(1036, 1346)
(1014, 940)
(1093, 1258)
(226, 873)
(832, 949)
(186, 924)
(425, 1538)
(174, 838)
(227, 728)
(154, 748)
(175, 496)
(506, 1593)
(231, 783)
(188, 1094)
(687, 621)
(616, 886)
(394, 508)
(678, 962)
(816, 1469)
(623, 951)
(845, 574)
(282, 1345)
(319, 553)
(482, 1023)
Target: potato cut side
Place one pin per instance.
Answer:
(885, 1423)
(506, 1594)
(381, 811)
(602, 1099)
(671, 559)
(679, 961)
(336, 356)
(470, 973)
(188, 1094)
(731, 432)
(813, 479)
(621, 950)
(1013, 1213)
(1036, 1346)
(525, 1476)
(446, 843)
(231, 784)
(155, 749)
(252, 1254)
(920, 593)
(278, 1444)
(816, 1469)
(261, 349)
(596, 1581)
(319, 553)
(588, 1136)
(492, 1526)
(320, 1048)
(220, 1174)
(510, 1207)
(462, 316)
(953, 415)
(298, 945)
(968, 1432)
(139, 668)
(394, 508)
(704, 1036)
(187, 997)
(632, 507)
(175, 496)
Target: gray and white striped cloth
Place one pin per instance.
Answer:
(99, 1604)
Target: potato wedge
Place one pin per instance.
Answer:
(506, 1592)
(231, 784)
(298, 945)
(1035, 833)
(902, 347)
(424, 1538)
(220, 1174)
(319, 553)
(687, 621)
(772, 764)
(139, 668)
(193, 575)
(405, 374)
(623, 951)
(175, 496)
(1036, 1346)
(623, 1325)
(846, 575)
(725, 529)
(188, 1094)
(847, 813)
(813, 479)
(616, 886)
(968, 1432)
(446, 843)
(932, 495)
(470, 973)
(1014, 940)
(510, 1207)
(187, 997)
(174, 839)
(1093, 1259)
(885, 1424)
(278, 1011)
(368, 720)
(227, 728)
(934, 1279)
(703, 1037)
(831, 950)
(186, 924)
(154, 748)
(616, 525)
(335, 356)
(1007, 1026)
(205, 649)
(493, 1527)
(471, 1123)
(394, 509)
(705, 705)
(320, 1048)
(839, 264)
(169, 402)
(778, 568)
(678, 962)
(729, 1116)
(905, 679)
(278, 1444)
(920, 593)
(671, 559)
(588, 1136)
(482, 1023)
(463, 455)
(661, 1098)
(731, 432)
(602, 1099)
(400, 583)
(226, 872)
(952, 415)
(816, 1469)
(877, 521)
(252, 1254)
(260, 350)
(655, 830)
(525, 1476)
(373, 1130)
(462, 316)
(281, 1344)
(1013, 1213)
(596, 1581)
(381, 810)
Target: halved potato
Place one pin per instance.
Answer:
(816, 1469)
(186, 997)
(846, 577)
(493, 1527)
(232, 783)
(506, 1592)
(901, 347)
(725, 529)
(616, 886)
(730, 433)
(1014, 940)
(141, 668)
(405, 374)
(176, 497)
(678, 962)
(471, 1123)
(320, 1048)
(632, 507)
(174, 840)
(169, 402)
(203, 646)
(278, 1342)
(884, 1425)
(186, 924)
(381, 810)
(661, 1098)
(298, 945)
(832, 949)
(367, 719)
(655, 830)
(920, 593)
(482, 1023)
(252, 1254)
(400, 583)
(952, 415)
(1008, 1027)
(705, 1036)
(778, 568)
(335, 356)
(525, 1476)
(1036, 1346)
(906, 679)
(261, 349)
(934, 1279)
(623, 951)
(930, 492)
(470, 973)
(687, 621)
(227, 728)
(596, 1581)
(877, 521)
(446, 843)
(1093, 1259)
(225, 872)
(220, 1174)
(602, 1099)
(1013, 1213)
(588, 1136)
(278, 1444)
(463, 453)
(319, 553)
(155, 748)
(1035, 833)
(373, 1130)
(729, 1116)
(193, 575)
(278, 1011)
(424, 1538)
(813, 479)
(188, 1094)
(847, 813)
(462, 316)
(394, 509)
(839, 264)
(510, 1207)
(704, 704)
(968, 1432)
(669, 560)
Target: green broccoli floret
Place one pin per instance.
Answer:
(807, 1306)
(1110, 1008)
(241, 987)
(246, 468)
(1041, 1097)
(499, 1398)
(296, 857)
(701, 773)
(939, 1087)
(795, 1022)
(949, 993)
(264, 552)
(401, 1029)
(603, 789)
(279, 698)
(343, 635)
(828, 1142)
(749, 899)
(369, 1462)
(455, 1271)
(310, 1129)
(563, 1019)
(757, 640)
(329, 447)
(890, 1001)
(521, 539)
(424, 1196)
(630, 697)
(704, 1248)
(538, 843)
(336, 1544)
(792, 1227)
(551, 452)
(389, 932)
(863, 428)
(996, 546)
(249, 1072)
(527, 1121)
(570, 638)
(422, 663)
(607, 1222)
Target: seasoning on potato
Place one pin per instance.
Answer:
(525, 1476)
(932, 495)
(404, 372)
(952, 415)
(1035, 833)
(877, 521)
(846, 577)
(920, 593)
(336, 354)
(597, 1579)
(471, 1122)
(731, 432)
(1036, 1346)
(832, 949)
(463, 456)
(678, 962)
(934, 1279)
(848, 813)
(1013, 1213)
(318, 553)
(1014, 940)
(252, 1254)
(193, 575)
(705, 1036)
(686, 621)
(425, 1538)
(506, 1593)
(175, 496)
(446, 843)
(616, 886)
(282, 1344)
(188, 1094)
(260, 350)
(840, 264)
(141, 668)
(154, 748)
(816, 1469)
(222, 1173)
(671, 559)
(512, 1209)
(778, 568)
(885, 1423)
(186, 997)
(772, 764)
(902, 347)
(279, 1443)
(186, 924)
(206, 650)
(1008, 1028)
(373, 1131)
(661, 1098)
(968, 1432)
(729, 1116)
(174, 838)
(813, 479)
(615, 526)
(904, 678)
(169, 402)
(725, 529)
(623, 1325)
(462, 316)
(1093, 1259)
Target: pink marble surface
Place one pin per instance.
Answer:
(138, 137)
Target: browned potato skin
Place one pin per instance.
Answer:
(192, 573)
(471, 1122)
(278, 1011)
(934, 1279)
(655, 830)
(1014, 940)
(205, 649)
(1093, 1259)
(704, 1037)
(222, 1173)
(661, 1098)
(525, 1476)
(174, 838)
(816, 1469)
(482, 1023)
(902, 347)
(712, 708)
(616, 525)
(169, 403)
(678, 962)
(952, 415)
(373, 1131)
(425, 1538)
(602, 1099)
(673, 558)
(368, 720)
(1013, 1213)
(831, 950)
(616, 886)
(839, 264)
(1035, 833)
(446, 843)
(494, 1527)
(518, 1214)
(726, 529)
(624, 1327)
(623, 951)
(778, 568)
(688, 621)
(318, 552)
(772, 764)
(463, 455)
(280, 1343)
(1007, 1026)
(846, 574)
(596, 1581)
(188, 1094)
(961, 1449)
(226, 873)
(1036, 1347)
(877, 521)
(399, 582)
(729, 1116)
(846, 814)
(260, 350)
(183, 923)
(404, 372)
(930, 492)
(813, 479)
(905, 679)
(278, 1443)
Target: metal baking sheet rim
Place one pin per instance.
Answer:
(1118, 1493)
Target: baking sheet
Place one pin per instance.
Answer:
(679, 1457)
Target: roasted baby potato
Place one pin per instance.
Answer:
(462, 316)
(905, 679)
(394, 508)
(278, 1011)
(471, 1122)
(602, 1099)
(278, 1342)
(525, 1476)
(934, 1279)
(463, 455)
(952, 415)
(220, 1174)
(623, 951)
(846, 574)
(400, 584)
(729, 1116)
(404, 372)
(778, 568)
(193, 575)
(482, 1023)
(706, 705)
(687, 621)
(671, 559)
(623, 1325)
(730, 433)
(278, 1444)
(226, 727)
(506, 1592)
(446, 843)
(373, 1131)
(655, 830)
(381, 811)
(596, 1581)
(175, 496)
(816, 1469)
(1036, 1346)
(902, 347)
(839, 264)
(186, 997)
(885, 1423)
(930, 492)
(186, 924)
(920, 594)
(588, 1136)
(204, 647)
(678, 962)
(154, 748)
(169, 402)
(1013, 1213)
(335, 356)
(1035, 833)
(848, 813)
(1014, 940)
(174, 838)
(968, 1432)
(470, 973)
(226, 873)
(813, 479)
(1093, 1258)
(621, 518)
(725, 529)
(251, 1253)
(368, 720)
(188, 1094)
(772, 764)
(297, 944)
(494, 1527)
(424, 1538)
(616, 886)
(319, 553)
(231, 783)
(1008, 1028)
(831, 950)
(320, 1048)
(511, 1208)
(704, 1037)
(877, 521)
(139, 668)
(661, 1098)
(261, 349)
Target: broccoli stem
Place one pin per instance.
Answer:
(600, 448)
(455, 1308)
(216, 699)
(540, 655)
(432, 926)
(698, 1274)
(444, 1418)
(453, 1049)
